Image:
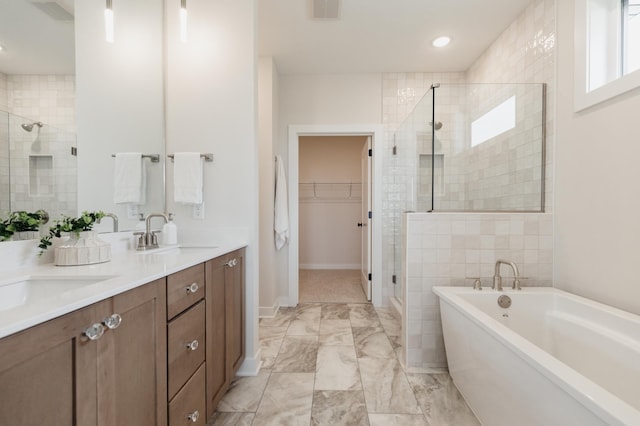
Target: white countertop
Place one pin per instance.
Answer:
(125, 271)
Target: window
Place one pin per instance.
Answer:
(495, 122)
(607, 49)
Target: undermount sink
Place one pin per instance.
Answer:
(18, 291)
(166, 249)
(158, 249)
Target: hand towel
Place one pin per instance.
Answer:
(187, 177)
(281, 216)
(128, 178)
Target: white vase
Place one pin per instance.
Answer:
(83, 248)
(25, 235)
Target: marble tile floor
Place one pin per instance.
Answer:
(336, 364)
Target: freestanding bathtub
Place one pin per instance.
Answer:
(551, 358)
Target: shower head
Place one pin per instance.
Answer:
(438, 125)
(29, 127)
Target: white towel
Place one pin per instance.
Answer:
(128, 178)
(281, 213)
(187, 177)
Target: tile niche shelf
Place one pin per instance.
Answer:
(41, 177)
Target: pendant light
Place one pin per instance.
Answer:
(108, 22)
(183, 21)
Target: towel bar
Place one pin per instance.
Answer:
(207, 157)
(155, 158)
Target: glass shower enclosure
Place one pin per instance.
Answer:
(471, 148)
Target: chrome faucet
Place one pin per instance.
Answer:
(115, 220)
(151, 238)
(497, 279)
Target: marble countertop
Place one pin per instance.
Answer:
(81, 286)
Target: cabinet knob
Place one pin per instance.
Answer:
(192, 288)
(94, 331)
(233, 262)
(192, 346)
(194, 416)
(112, 322)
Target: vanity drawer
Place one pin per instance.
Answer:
(186, 346)
(189, 405)
(184, 288)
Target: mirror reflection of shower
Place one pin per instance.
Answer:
(28, 127)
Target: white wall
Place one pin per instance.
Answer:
(119, 100)
(211, 94)
(211, 101)
(597, 200)
(323, 100)
(267, 125)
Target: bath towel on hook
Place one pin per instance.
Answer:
(281, 212)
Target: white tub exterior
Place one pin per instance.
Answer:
(552, 358)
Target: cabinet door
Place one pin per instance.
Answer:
(234, 295)
(217, 377)
(132, 360)
(47, 373)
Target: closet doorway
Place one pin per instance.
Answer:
(334, 231)
(375, 132)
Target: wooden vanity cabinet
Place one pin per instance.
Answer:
(131, 359)
(162, 353)
(53, 373)
(186, 346)
(225, 323)
(47, 373)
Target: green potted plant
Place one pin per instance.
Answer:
(5, 232)
(83, 246)
(22, 225)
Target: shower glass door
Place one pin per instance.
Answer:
(468, 148)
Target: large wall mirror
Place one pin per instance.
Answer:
(70, 100)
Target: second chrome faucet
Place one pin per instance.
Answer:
(149, 239)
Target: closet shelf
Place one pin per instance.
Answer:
(330, 191)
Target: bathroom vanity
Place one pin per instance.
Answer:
(159, 347)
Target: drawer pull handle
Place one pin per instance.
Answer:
(192, 288)
(194, 416)
(95, 331)
(112, 322)
(233, 262)
(192, 346)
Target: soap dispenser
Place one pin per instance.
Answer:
(170, 232)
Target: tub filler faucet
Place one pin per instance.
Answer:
(497, 279)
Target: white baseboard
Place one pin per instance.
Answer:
(269, 311)
(330, 266)
(250, 366)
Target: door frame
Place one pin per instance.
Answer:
(376, 133)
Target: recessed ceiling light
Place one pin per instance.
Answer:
(441, 41)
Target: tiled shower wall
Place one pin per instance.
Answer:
(43, 171)
(524, 53)
(4, 149)
(442, 249)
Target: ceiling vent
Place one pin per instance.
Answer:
(326, 9)
(54, 10)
